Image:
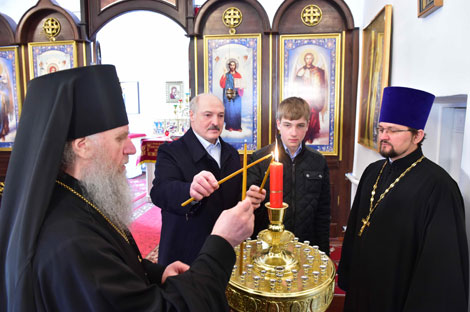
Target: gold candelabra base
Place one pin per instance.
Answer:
(275, 239)
(276, 272)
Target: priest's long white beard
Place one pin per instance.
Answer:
(108, 189)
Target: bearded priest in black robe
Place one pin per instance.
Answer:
(405, 247)
(64, 238)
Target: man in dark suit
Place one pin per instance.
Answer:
(191, 167)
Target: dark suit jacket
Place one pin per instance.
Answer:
(184, 229)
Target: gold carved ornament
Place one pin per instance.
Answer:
(277, 273)
(51, 28)
(311, 15)
(232, 18)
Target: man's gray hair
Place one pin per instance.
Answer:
(69, 156)
(193, 105)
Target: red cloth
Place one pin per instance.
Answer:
(313, 127)
(146, 228)
(149, 149)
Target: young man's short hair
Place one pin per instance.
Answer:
(293, 108)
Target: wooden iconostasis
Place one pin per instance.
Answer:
(267, 55)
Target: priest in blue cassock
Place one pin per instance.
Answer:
(405, 247)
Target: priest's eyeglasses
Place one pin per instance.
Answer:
(390, 131)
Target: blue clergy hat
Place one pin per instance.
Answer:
(406, 106)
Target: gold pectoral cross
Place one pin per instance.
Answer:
(365, 222)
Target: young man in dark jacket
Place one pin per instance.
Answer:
(306, 178)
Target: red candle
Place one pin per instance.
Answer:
(275, 184)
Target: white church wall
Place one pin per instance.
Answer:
(464, 178)
(150, 62)
(445, 133)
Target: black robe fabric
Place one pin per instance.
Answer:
(83, 264)
(413, 256)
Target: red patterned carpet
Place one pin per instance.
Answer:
(147, 220)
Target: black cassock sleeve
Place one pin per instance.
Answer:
(202, 288)
(90, 275)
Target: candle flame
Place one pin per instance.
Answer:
(276, 153)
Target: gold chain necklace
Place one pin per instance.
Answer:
(366, 221)
(94, 207)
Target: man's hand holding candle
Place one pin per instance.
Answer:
(256, 196)
(235, 224)
(233, 174)
(204, 183)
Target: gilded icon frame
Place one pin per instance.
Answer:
(426, 7)
(245, 51)
(326, 66)
(374, 77)
(47, 57)
(10, 96)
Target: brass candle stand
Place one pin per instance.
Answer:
(279, 273)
